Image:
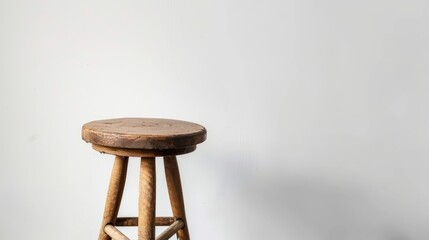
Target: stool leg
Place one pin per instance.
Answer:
(175, 192)
(114, 194)
(147, 199)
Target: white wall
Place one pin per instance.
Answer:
(317, 114)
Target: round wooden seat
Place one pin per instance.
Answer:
(147, 138)
(143, 136)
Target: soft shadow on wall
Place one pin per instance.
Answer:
(304, 206)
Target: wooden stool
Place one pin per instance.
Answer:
(146, 138)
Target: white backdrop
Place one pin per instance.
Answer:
(317, 114)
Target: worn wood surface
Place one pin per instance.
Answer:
(171, 230)
(175, 193)
(114, 233)
(146, 138)
(134, 221)
(131, 152)
(114, 194)
(143, 133)
(147, 199)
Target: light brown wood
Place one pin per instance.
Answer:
(146, 138)
(147, 199)
(175, 193)
(143, 133)
(114, 194)
(133, 221)
(170, 231)
(130, 152)
(114, 233)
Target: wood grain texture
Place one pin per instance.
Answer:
(175, 193)
(131, 152)
(170, 231)
(114, 194)
(147, 199)
(134, 221)
(114, 233)
(143, 133)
